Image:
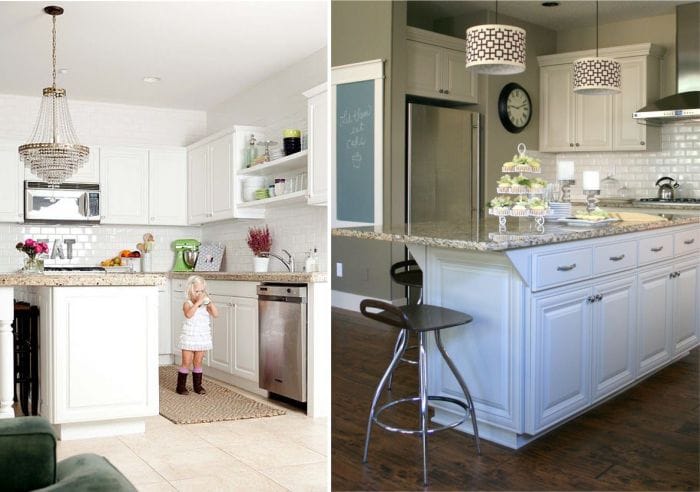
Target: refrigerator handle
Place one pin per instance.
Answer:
(476, 166)
(408, 167)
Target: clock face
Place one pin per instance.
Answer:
(514, 107)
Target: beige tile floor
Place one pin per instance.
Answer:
(287, 452)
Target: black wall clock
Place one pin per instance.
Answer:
(514, 107)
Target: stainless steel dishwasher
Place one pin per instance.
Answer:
(282, 326)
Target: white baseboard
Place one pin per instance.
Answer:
(106, 428)
(345, 300)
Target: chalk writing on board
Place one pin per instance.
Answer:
(354, 122)
(355, 160)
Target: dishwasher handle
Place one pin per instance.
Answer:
(296, 300)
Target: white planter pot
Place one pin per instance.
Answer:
(260, 264)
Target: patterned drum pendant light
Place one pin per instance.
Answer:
(53, 152)
(496, 49)
(597, 75)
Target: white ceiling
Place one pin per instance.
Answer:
(205, 52)
(569, 14)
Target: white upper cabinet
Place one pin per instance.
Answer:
(214, 191)
(11, 184)
(317, 192)
(124, 185)
(435, 67)
(574, 123)
(167, 187)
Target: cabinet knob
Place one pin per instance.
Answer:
(617, 258)
(599, 297)
(446, 91)
(590, 299)
(672, 275)
(571, 145)
(687, 241)
(441, 91)
(641, 143)
(657, 249)
(566, 268)
(577, 144)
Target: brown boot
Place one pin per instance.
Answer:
(181, 382)
(197, 383)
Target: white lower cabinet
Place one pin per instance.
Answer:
(177, 316)
(655, 317)
(164, 331)
(686, 305)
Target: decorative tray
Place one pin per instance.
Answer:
(573, 221)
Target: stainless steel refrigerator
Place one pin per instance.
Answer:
(443, 170)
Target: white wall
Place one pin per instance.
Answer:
(275, 103)
(679, 158)
(101, 124)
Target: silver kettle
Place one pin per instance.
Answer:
(667, 188)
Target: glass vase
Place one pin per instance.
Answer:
(33, 265)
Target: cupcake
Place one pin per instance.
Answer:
(519, 208)
(500, 205)
(504, 184)
(538, 207)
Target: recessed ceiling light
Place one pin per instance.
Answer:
(62, 70)
(550, 4)
(151, 80)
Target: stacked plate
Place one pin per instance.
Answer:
(261, 194)
(250, 187)
(558, 210)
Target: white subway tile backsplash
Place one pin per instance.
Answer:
(679, 157)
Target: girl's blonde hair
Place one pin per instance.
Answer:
(191, 281)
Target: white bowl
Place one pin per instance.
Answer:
(249, 194)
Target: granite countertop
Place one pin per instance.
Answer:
(82, 279)
(289, 277)
(484, 234)
(676, 206)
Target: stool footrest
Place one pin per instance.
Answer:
(411, 399)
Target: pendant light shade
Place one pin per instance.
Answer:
(53, 152)
(597, 75)
(496, 49)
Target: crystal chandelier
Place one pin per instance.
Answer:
(496, 49)
(53, 152)
(597, 75)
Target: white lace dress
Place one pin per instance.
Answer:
(196, 331)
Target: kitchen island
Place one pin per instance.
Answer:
(564, 317)
(98, 356)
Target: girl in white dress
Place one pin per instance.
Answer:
(195, 337)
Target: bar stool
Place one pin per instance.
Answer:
(26, 356)
(412, 278)
(420, 319)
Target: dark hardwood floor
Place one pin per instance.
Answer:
(645, 439)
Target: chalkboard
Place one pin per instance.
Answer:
(355, 151)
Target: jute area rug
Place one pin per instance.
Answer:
(218, 404)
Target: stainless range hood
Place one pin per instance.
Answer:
(685, 105)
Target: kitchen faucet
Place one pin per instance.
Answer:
(289, 262)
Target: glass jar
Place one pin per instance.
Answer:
(33, 265)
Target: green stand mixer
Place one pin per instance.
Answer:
(186, 253)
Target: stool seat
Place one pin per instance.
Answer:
(415, 317)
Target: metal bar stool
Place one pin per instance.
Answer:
(412, 278)
(420, 319)
(26, 356)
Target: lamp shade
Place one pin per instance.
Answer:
(496, 49)
(597, 76)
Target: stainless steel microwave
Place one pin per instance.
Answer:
(65, 203)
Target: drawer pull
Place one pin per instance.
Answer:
(689, 241)
(566, 268)
(656, 250)
(617, 258)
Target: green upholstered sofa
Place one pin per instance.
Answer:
(28, 462)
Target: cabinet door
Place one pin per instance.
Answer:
(459, 84)
(686, 305)
(222, 328)
(318, 149)
(593, 126)
(614, 320)
(560, 357)
(556, 109)
(423, 69)
(167, 187)
(629, 134)
(654, 318)
(11, 184)
(221, 178)
(124, 186)
(177, 317)
(245, 339)
(198, 197)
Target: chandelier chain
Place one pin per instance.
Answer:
(53, 50)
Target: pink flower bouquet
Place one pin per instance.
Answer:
(32, 247)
